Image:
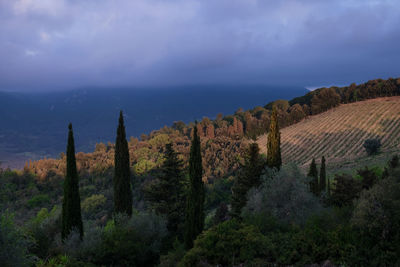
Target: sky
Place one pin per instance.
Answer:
(68, 44)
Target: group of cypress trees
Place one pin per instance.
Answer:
(169, 192)
(251, 170)
(318, 183)
(71, 208)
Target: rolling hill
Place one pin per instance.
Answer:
(34, 125)
(339, 133)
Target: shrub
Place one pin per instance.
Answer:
(285, 196)
(43, 229)
(93, 204)
(230, 243)
(345, 190)
(38, 200)
(131, 242)
(376, 215)
(372, 146)
(13, 244)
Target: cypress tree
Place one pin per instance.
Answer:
(194, 219)
(167, 194)
(71, 206)
(248, 177)
(313, 174)
(322, 176)
(122, 175)
(274, 158)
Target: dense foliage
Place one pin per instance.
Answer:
(248, 177)
(167, 192)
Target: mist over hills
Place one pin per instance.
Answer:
(34, 124)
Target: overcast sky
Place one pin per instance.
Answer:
(66, 44)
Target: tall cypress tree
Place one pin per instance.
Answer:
(274, 158)
(194, 219)
(248, 177)
(313, 174)
(167, 194)
(122, 174)
(71, 206)
(322, 176)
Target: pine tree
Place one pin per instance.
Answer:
(167, 195)
(122, 175)
(274, 158)
(194, 221)
(248, 177)
(313, 174)
(322, 176)
(71, 206)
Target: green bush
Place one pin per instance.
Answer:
(372, 146)
(134, 241)
(38, 200)
(93, 204)
(13, 244)
(376, 215)
(43, 229)
(285, 195)
(230, 243)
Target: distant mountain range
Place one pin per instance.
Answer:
(34, 125)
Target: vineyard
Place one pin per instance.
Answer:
(339, 134)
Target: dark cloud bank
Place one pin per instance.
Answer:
(64, 44)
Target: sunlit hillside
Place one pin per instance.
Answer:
(339, 133)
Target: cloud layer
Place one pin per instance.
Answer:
(59, 44)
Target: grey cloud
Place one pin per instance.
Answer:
(56, 44)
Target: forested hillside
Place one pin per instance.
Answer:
(225, 137)
(231, 205)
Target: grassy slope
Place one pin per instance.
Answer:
(339, 134)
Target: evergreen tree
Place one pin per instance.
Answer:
(248, 177)
(122, 175)
(274, 158)
(345, 190)
(194, 221)
(322, 176)
(71, 206)
(167, 193)
(313, 174)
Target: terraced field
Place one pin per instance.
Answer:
(339, 134)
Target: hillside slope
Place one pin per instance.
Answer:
(339, 133)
